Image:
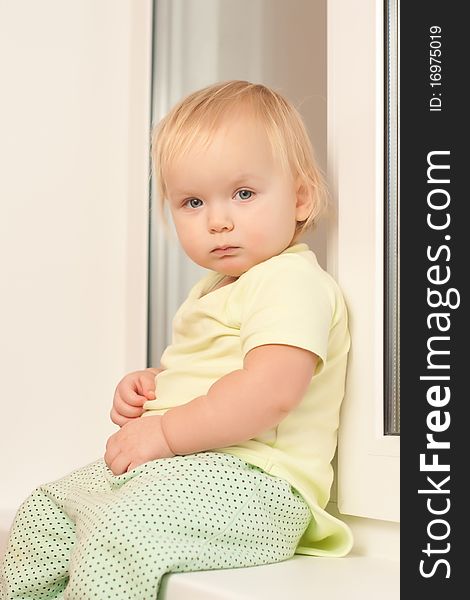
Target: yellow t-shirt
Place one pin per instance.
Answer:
(287, 299)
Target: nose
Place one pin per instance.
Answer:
(219, 219)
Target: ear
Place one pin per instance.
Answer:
(304, 200)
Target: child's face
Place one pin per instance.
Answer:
(233, 194)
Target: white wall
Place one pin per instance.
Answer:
(74, 122)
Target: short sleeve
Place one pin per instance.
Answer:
(286, 301)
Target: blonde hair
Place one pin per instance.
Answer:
(197, 117)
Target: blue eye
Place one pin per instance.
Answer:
(243, 196)
(194, 202)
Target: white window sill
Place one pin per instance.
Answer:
(302, 578)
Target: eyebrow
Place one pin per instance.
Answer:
(244, 177)
(236, 181)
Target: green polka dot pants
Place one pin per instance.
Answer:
(94, 535)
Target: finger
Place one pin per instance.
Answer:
(146, 384)
(126, 410)
(131, 397)
(117, 418)
(120, 464)
(134, 464)
(113, 448)
(114, 456)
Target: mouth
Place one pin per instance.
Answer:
(224, 249)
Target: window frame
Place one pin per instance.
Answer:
(368, 460)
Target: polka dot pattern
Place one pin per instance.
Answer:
(94, 535)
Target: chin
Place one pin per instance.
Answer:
(229, 272)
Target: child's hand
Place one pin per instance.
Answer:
(137, 442)
(131, 393)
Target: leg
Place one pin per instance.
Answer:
(35, 565)
(266, 528)
(187, 513)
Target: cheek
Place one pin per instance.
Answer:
(182, 230)
(284, 217)
(190, 237)
(187, 239)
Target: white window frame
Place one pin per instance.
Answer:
(368, 460)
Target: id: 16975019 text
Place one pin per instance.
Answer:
(435, 68)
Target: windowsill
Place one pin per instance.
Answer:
(302, 578)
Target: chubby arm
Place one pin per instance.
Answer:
(243, 403)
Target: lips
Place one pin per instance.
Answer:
(224, 249)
